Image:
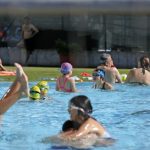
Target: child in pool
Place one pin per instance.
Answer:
(17, 90)
(65, 83)
(100, 83)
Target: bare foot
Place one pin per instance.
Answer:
(23, 79)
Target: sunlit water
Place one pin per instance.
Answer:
(125, 113)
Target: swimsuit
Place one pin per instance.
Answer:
(62, 85)
(103, 86)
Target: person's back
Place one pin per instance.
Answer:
(112, 74)
(140, 75)
(137, 76)
(65, 83)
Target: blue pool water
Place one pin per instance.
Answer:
(125, 113)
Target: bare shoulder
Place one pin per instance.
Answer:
(135, 70)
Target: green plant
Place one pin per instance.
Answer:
(74, 47)
(62, 47)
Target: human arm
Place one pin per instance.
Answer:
(2, 68)
(89, 126)
(108, 86)
(34, 29)
(57, 86)
(118, 76)
(73, 85)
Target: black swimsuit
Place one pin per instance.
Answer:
(103, 86)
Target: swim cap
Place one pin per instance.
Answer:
(100, 73)
(35, 93)
(66, 68)
(43, 85)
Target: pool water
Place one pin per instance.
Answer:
(125, 112)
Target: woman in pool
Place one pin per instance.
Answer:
(18, 89)
(140, 75)
(65, 83)
(99, 82)
(81, 125)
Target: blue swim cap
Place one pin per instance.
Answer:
(100, 73)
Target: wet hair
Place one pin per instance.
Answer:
(144, 64)
(69, 124)
(83, 104)
(104, 58)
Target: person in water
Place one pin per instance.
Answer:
(81, 123)
(17, 90)
(112, 74)
(99, 82)
(65, 83)
(39, 91)
(140, 75)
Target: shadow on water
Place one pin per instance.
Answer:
(141, 112)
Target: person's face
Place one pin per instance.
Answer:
(26, 20)
(95, 77)
(73, 113)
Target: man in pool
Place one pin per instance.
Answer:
(17, 90)
(112, 74)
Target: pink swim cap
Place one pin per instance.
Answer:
(66, 68)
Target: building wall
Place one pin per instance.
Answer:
(78, 59)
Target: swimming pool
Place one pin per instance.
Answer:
(125, 113)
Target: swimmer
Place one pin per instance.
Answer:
(140, 75)
(100, 83)
(39, 91)
(65, 83)
(112, 74)
(35, 93)
(81, 124)
(44, 87)
(17, 90)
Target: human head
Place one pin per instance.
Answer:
(66, 68)
(106, 59)
(144, 62)
(35, 93)
(27, 19)
(82, 105)
(70, 125)
(43, 85)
